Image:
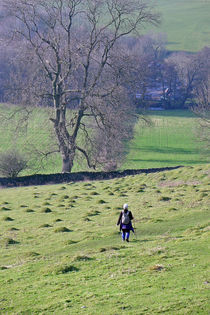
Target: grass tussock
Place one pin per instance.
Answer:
(5, 209)
(62, 229)
(6, 218)
(9, 241)
(63, 269)
(46, 210)
(45, 226)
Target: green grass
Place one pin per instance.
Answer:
(186, 23)
(170, 141)
(72, 260)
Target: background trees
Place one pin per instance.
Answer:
(67, 59)
(202, 98)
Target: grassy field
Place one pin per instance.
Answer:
(186, 23)
(60, 252)
(170, 140)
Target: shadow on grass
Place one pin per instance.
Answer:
(169, 162)
(165, 150)
(172, 113)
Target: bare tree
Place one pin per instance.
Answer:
(202, 98)
(73, 44)
(12, 163)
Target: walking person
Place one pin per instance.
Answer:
(125, 222)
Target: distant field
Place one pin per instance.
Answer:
(61, 253)
(171, 140)
(186, 22)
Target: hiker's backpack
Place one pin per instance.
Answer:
(125, 217)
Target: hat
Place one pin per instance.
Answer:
(125, 206)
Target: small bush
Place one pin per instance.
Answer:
(12, 163)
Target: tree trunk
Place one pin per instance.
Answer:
(67, 164)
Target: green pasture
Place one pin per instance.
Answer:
(186, 23)
(61, 253)
(170, 140)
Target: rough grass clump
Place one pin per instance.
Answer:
(5, 209)
(93, 213)
(45, 226)
(63, 198)
(31, 254)
(86, 219)
(101, 201)
(140, 190)
(82, 258)
(172, 209)
(62, 229)
(156, 268)
(156, 251)
(3, 268)
(61, 205)
(58, 220)
(164, 198)
(13, 229)
(62, 188)
(10, 241)
(29, 210)
(46, 210)
(53, 194)
(94, 193)
(7, 219)
(65, 269)
(70, 242)
(46, 203)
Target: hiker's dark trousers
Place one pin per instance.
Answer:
(125, 234)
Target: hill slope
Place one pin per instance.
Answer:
(62, 254)
(186, 22)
